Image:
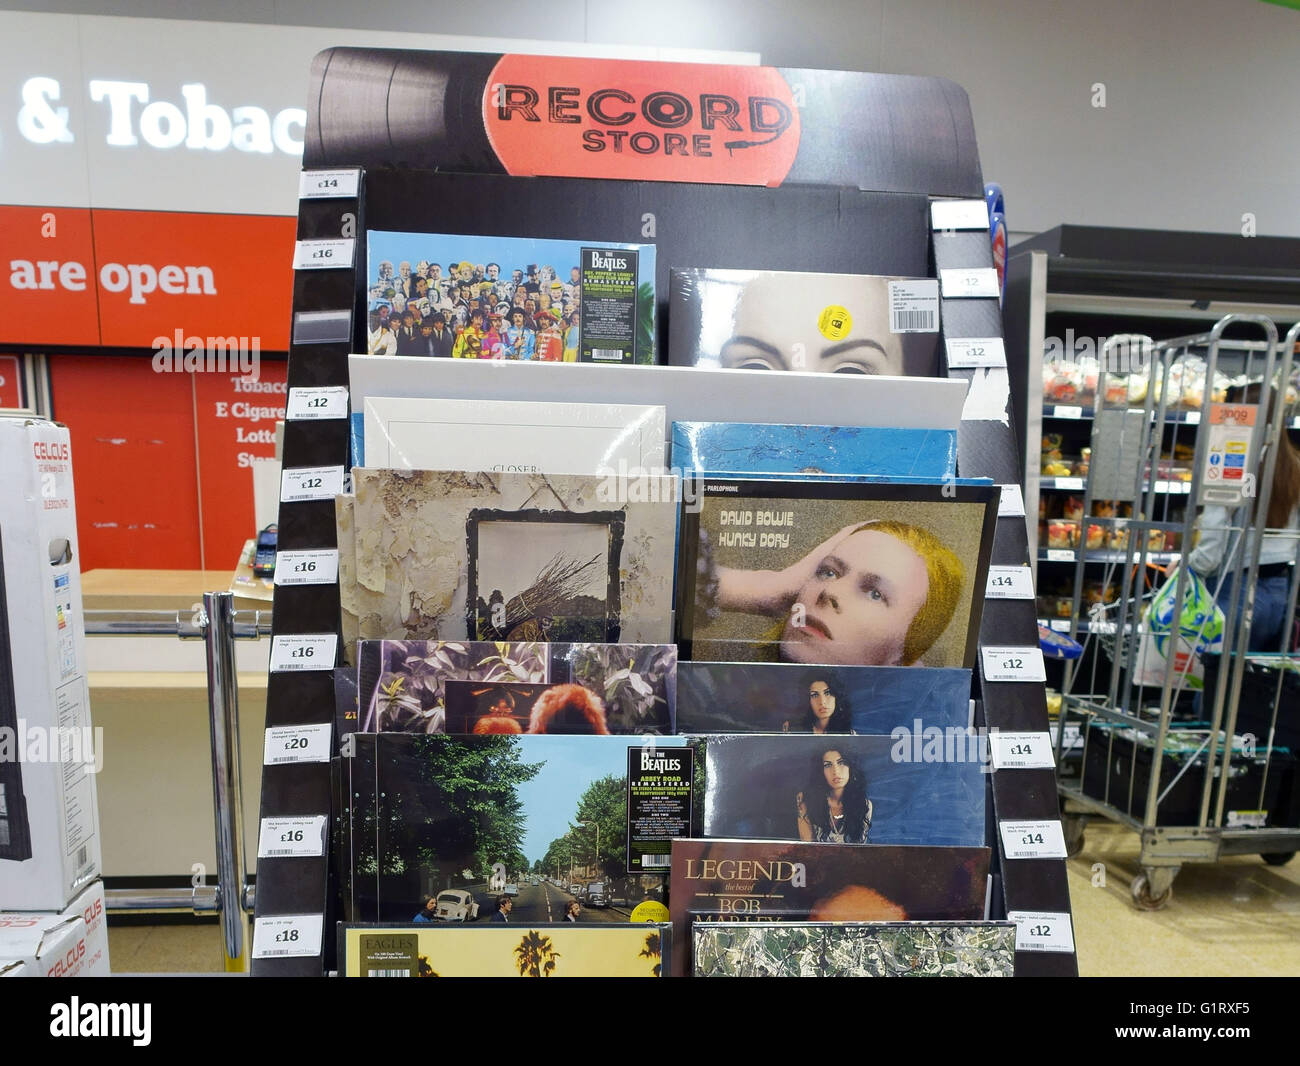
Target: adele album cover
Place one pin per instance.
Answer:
(762, 881)
(473, 297)
(578, 948)
(854, 949)
(459, 555)
(791, 698)
(430, 686)
(453, 827)
(834, 573)
(843, 790)
(788, 320)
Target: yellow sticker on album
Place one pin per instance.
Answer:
(650, 910)
(835, 322)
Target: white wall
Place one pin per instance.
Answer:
(1201, 123)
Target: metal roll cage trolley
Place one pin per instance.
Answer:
(1116, 704)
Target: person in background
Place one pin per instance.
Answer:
(504, 906)
(1218, 540)
(426, 910)
(572, 911)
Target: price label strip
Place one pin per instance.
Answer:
(282, 838)
(976, 352)
(959, 214)
(1060, 555)
(1012, 502)
(1067, 412)
(1074, 484)
(1009, 583)
(959, 284)
(287, 936)
(309, 651)
(319, 566)
(317, 404)
(310, 483)
(1032, 840)
(296, 743)
(328, 184)
(1021, 751)
(1043, 931)
(332, 254)
(1014, 664)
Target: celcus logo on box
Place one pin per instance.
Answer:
(134, 116)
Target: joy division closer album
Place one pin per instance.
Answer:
(790, 698)
(841, 790)
(471, 297)
(581, 948)
(418, 686)
(484, 816)
(834, 572)
(746, 448)
(762, 881)
(854, 949)
(784, 320)
(455, 555)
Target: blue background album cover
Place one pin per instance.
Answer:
(916, 795)
(791, 698)
(810, 451)
(599, 305)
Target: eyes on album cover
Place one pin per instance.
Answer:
(834, 573)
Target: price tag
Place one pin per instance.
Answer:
(1073, 737)
(320, 566)
(1012, 503)
(959, 214)
(287, 936)
(1073, 483)
(283, 838)
(1032, 840)
(296, 743)
(307, 651)
(1060, 555)
(332, 254)
(310, 405)
(1013, 664)
(1067, 412)
(1009, 583)
(1043, 931)
(1060, 625)
(328, 184)
(310, 483)
(1193, 418)
(1021, 751)
(914, 306)
(981, 281)
(976, 352)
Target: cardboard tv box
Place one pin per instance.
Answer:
(49, 822)
(45, 945)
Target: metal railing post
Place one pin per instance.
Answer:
(223, 715)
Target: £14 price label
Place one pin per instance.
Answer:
(1009, 583)
(328, 184)
(1032, 840)
(1021, 751)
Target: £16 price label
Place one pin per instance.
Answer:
(1032, 840)
(332, 254)
(303, 651)
(1043, 931)
(291, 837)
(296, 743)
(287, 936)
(318, 566)
(1013, 664)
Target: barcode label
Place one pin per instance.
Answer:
(283, 837)
(81, 857)
(914, 306)
(656, 860)
(609, 354)
(389, 973)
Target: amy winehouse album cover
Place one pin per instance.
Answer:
(764, 880)
(429, 686)
(833, 572)
(747, 448)
(787, 320)
(467, 297)
(854, 949)
(843, 790)
(456, 555)
(587, 946)
(483, 816)
(790, 698)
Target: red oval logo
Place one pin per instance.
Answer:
(640, 121)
